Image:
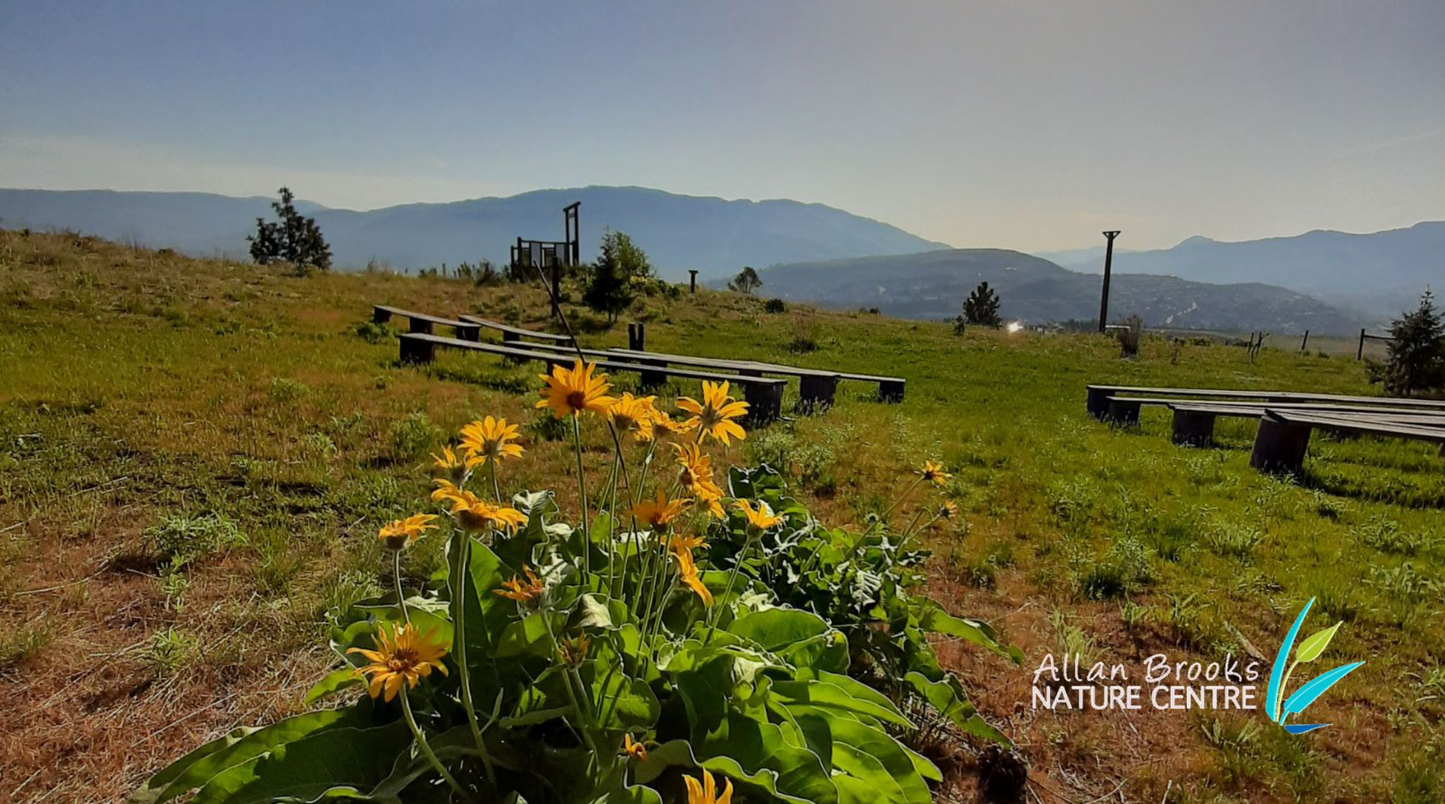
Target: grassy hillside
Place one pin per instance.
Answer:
(195, 456)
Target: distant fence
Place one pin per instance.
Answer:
(1364, 336)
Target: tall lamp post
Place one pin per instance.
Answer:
(1108, 267)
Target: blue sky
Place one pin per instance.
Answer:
(1008, 123)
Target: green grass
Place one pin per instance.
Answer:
(255, 423)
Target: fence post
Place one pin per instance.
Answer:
(692, 279)
(1305, 341)
(1360, 350)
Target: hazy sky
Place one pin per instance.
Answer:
(1007, 123)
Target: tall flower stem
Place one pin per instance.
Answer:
(425, 747)
(582, 496)
(496, 487)
(400, 595)
(582, 713)
(902, 497)
(732, 578)
(463, 544)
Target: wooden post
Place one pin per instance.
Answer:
(1360, 350)
(637, 337)
(469, 332)
(692, 278)
(1279, 447)
(652, 379)
(420, 325)
(765, 401)
(1098, 402)
(1193, 428)
(890, 390)
(1305, 341)
(417, 350)
(1108, 266)
(1123, 413)
(816, 392)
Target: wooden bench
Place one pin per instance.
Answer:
(1193, 423)
(511, 334)
(1103, 405)
(1284, 435)
(764, 395)
(816, 389)
(423, 323)
(890, 389)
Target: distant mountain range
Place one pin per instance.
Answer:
(1373, 275)
(933, 285)
(715, 236)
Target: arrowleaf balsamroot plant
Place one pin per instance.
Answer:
(685, 643)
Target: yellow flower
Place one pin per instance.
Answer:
(666, 428)
(948, 510)
(714, 415)
(688, 575)
(522, 591)
(684, 544)
(633, 748)
(402, 532)
(932, 471)
(490, 439)
(446, 491)
(401, 657)
(696, 476)
(456, 468)
(761, 517)
(658, 513)
(569, 392)
(476, 514)
(574, 650)
(634, 415)
(706, 791)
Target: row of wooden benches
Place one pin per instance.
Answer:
(764, 393)
(1286, 418)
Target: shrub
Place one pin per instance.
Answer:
(614, 281)
(294, 238)
(774, 306)
(747, 281)
(1416, 360)
(372, 332)
(981, 308)
(413, 436)
(723, 633)
(181, 539)
(285, 390)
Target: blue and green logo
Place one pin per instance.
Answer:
(1280, 707)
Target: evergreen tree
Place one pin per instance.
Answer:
(613, 283)
(294, 238)
(1417, 354)
(981, 308)
(747, 281)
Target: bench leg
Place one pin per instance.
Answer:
(816, 393)
(649, 380)
(379, 315)
(1123, 414)
(421, 326)
(473, 333)
(1279, 447)
(1098, 403)
(417, 351)
(890, 391)
(509, 339)
(1193, 429)
(765, 402)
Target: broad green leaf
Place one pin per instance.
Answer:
(775, 629)
(824, 698)
(238, 748)
(336, 760)
(948, 698)
(592, 612)
(853, 741)
(941, 622)
(1315, 644)
(332, 682)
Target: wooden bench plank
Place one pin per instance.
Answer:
(1398, 429)
(764, 395)
(423, 323)
(890, 389)
(519, 332)
(1099, 402)
(1283, 436)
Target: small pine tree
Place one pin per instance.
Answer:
(981, 308)
(613, 283)
(1416, 361)
(747, 281)
(294, 238)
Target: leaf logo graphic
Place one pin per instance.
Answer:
(1280, 708)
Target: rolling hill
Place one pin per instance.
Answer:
(933, 285)
(1374, 275)
(679, 232)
